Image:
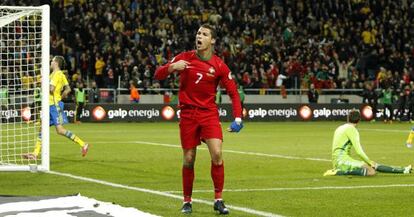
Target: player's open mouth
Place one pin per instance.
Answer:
(199, 42)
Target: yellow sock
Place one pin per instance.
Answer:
(410, 137)
(74, 138)
(38, 146)
(79, 141)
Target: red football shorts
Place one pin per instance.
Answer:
(197, 125)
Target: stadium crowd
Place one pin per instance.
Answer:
(332, 44)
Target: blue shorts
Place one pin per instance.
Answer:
(57, 116)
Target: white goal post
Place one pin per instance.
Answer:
(24, 86)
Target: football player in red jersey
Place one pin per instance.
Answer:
(200, 73)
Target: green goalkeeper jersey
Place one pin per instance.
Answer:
(345, 137)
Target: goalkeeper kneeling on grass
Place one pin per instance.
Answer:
(347, 136)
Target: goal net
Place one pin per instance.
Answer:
(24, 87)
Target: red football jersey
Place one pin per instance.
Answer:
(199, 81)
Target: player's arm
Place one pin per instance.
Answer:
(231, 88)
(176, 64)
(354, 137)
(66, 87)
(66, 91)
(51, 88)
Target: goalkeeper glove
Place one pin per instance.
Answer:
(236, 125)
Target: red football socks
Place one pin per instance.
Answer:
(217, 174)
(188, 178)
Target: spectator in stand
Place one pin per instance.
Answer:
(280, 84)
(246, 80)
(27, 83)
(370, 97)
(93, 93)
(343, 69)
(294, 72)
(403, 92)
(381, 77)
(406, 76)
(313, 94)
(373, 33)
(323, 78)
(99, 67)
(110, 79)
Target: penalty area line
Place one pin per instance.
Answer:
(303, 188)
(160, 193)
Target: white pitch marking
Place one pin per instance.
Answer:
(242, 152)
(160, 193)
(303, 188)
(224, 150)
(385, 130)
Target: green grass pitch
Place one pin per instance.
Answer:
(270, 167)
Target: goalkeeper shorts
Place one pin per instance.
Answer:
(347, 164)
(57, 116)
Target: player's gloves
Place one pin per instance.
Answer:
(236, 125)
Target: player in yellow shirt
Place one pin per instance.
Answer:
(58, 83)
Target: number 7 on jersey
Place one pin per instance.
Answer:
(200, 76)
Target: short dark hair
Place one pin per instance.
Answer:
(354, 116)
(61, 62)
(211, 28)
